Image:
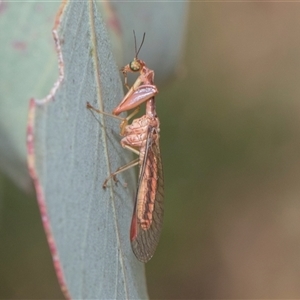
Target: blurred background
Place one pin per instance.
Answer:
(230, 141)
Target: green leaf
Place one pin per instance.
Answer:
(28, 65)
(71, 152)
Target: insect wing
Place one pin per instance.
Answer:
(147, 218)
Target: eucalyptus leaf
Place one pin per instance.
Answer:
(71, 152)
(28, 66)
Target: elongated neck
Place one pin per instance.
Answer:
(151, 108)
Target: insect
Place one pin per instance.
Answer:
(142, 138)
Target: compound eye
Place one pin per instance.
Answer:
(135, 66)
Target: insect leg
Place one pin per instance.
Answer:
(89, 106)
(121, 169)
(131, 164)
(124, 123)
(125, 79)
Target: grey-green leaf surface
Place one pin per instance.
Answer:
(27, 67)
(71, 152)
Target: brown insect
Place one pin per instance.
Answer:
(142, 138)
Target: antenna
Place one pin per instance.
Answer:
(137, 51)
